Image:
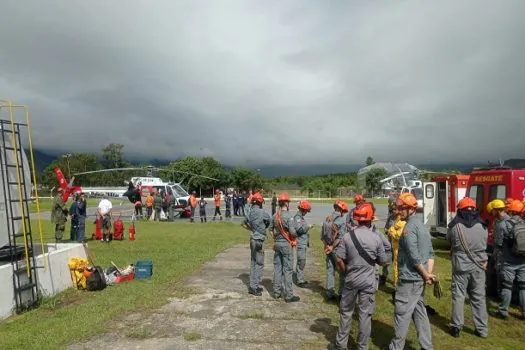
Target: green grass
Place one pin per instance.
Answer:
(45, 204)
(502, 334)
(176, 249)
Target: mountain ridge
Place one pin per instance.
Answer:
(44, 158)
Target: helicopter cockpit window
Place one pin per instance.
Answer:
(179, 191)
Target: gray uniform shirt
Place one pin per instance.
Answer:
(359, 273)
(259, 220)
(301, 228)
(476, 240)
(508, 242)
(501, 228)
(415, 248)
(288, 224)
(339, 223)
(386, 243)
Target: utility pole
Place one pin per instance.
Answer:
(67, 156)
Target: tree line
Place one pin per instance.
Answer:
(112, 157)
(241, 178)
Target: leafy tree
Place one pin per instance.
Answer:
(373, 178)
(113, 155)
(246, 178)
(182, 170)
(74, 163)
(370, 161)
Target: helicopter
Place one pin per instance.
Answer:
(136, 186)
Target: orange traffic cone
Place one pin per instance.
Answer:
(132, 232)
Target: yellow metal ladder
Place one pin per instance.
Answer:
(24, 277)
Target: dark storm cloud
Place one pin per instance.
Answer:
(271, 82)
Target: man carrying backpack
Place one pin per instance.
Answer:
(302, 228)
(467, 234)
(513, 266)
(357, 254)
(285, 236)
(256, 221)
(331, 234)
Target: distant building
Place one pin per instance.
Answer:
(391, 169)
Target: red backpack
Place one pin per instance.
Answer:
(118, 230)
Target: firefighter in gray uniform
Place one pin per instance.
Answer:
(513, 257)
(468, 235)
(415, 264)
(302, 228)
(332, 232)
(357, 254)
(256, 221)
(501, 228)
(283, 229)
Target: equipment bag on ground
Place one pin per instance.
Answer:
(97, 279)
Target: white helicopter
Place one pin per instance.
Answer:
(146, 184)
(412, 185)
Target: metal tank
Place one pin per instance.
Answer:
(9, 174)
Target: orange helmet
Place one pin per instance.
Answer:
(283, 197)
(257, 198)
(364, 212)
(359, 198)
(406, 200)
(466, 202)
(342, 205)
(508, 202)
(516, 206)
(305, 205)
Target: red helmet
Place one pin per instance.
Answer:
(358, 198)
(363, 212)
(466, 202)
(257, 198)
(516, 206)
(342, 205)
(283, 197)
(305, 205)
(406, 200)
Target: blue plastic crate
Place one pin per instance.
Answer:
(143, 269)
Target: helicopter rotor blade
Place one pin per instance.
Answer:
(188, 173)
(145, 168)
(107, 170)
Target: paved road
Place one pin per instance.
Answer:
(316, 216)
(218, 313)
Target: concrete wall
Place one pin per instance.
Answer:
(51, 281)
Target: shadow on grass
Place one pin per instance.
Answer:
(325, 327)
(266, 283)
(245, 278)
(381, 335)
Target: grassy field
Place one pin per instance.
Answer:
(502, 334)
(176, 250)
(46, 203)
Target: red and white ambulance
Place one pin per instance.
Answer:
(482, 185)
(440, 197)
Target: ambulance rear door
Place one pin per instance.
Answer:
(429, 203)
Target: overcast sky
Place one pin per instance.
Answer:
(271, 82)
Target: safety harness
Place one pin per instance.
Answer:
(335, 229)
(282, 230)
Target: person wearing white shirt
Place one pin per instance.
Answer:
(104, 211)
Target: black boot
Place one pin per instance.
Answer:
(254, 292)
(454, 332)
(293, 299)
